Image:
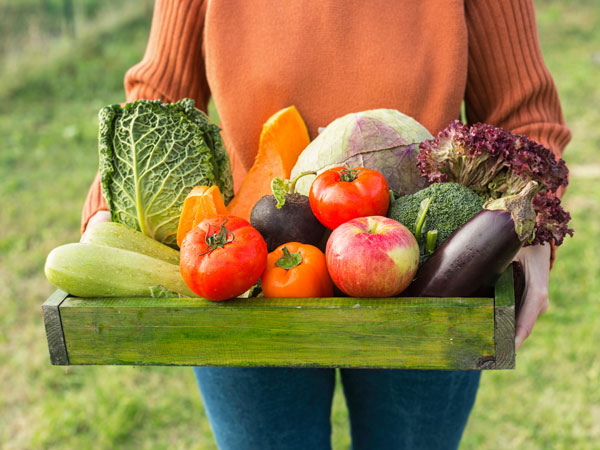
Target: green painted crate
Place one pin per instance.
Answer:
(399, 333)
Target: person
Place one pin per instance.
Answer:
(329, 58)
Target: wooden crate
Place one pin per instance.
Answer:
(399, 333)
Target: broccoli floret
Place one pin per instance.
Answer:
(452, 205)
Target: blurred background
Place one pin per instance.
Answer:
(60, 62)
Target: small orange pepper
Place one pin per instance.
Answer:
(296, 270)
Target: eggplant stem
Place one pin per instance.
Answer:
(521, 210)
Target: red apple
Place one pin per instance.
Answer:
(372, 257)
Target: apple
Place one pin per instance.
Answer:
(372, 256)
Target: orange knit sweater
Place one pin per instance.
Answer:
(332, 57)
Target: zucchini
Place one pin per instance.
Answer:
(112, 234)
(88, 270)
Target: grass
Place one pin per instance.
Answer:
(553, 399)
(48, 128)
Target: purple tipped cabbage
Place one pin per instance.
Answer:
(381, 139)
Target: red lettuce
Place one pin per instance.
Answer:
(495, 163)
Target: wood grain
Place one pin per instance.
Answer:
(405, 333)
(416, 333)
(504, 321)
(54, 330)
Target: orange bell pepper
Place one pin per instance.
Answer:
(203, 202)
(296, 270)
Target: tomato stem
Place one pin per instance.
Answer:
(289, 260)
(218, 239)
(349, 175)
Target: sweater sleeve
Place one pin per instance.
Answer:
(508, 84)
(172, 68)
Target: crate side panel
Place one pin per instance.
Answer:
(54, 331)
(504, 321)
(276, 303)
(415, 333)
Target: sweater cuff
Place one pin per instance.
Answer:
(138, 91)
(93, 203)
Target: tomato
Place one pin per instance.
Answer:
(296, 270)
(340, 194)
(222, 257)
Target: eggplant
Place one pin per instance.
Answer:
(471, 260)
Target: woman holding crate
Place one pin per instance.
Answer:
(330, 58)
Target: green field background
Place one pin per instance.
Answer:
(60, 61)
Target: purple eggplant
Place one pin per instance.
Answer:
(470, 261)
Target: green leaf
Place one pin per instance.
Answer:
(279, 188)
(151, 156)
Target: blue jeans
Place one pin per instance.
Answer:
(289, 409)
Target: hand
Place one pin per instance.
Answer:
(98, 217)
(535, 260)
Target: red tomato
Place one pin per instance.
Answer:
(340, 194)
(222, 257)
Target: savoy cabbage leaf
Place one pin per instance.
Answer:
(151, 155)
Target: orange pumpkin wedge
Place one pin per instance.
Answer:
(201, 203)
(283, 137)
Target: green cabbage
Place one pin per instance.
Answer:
(151, 156)
(381, 139)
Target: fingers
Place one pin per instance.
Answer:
(536, 303)
(536, 265)
(99, 217)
